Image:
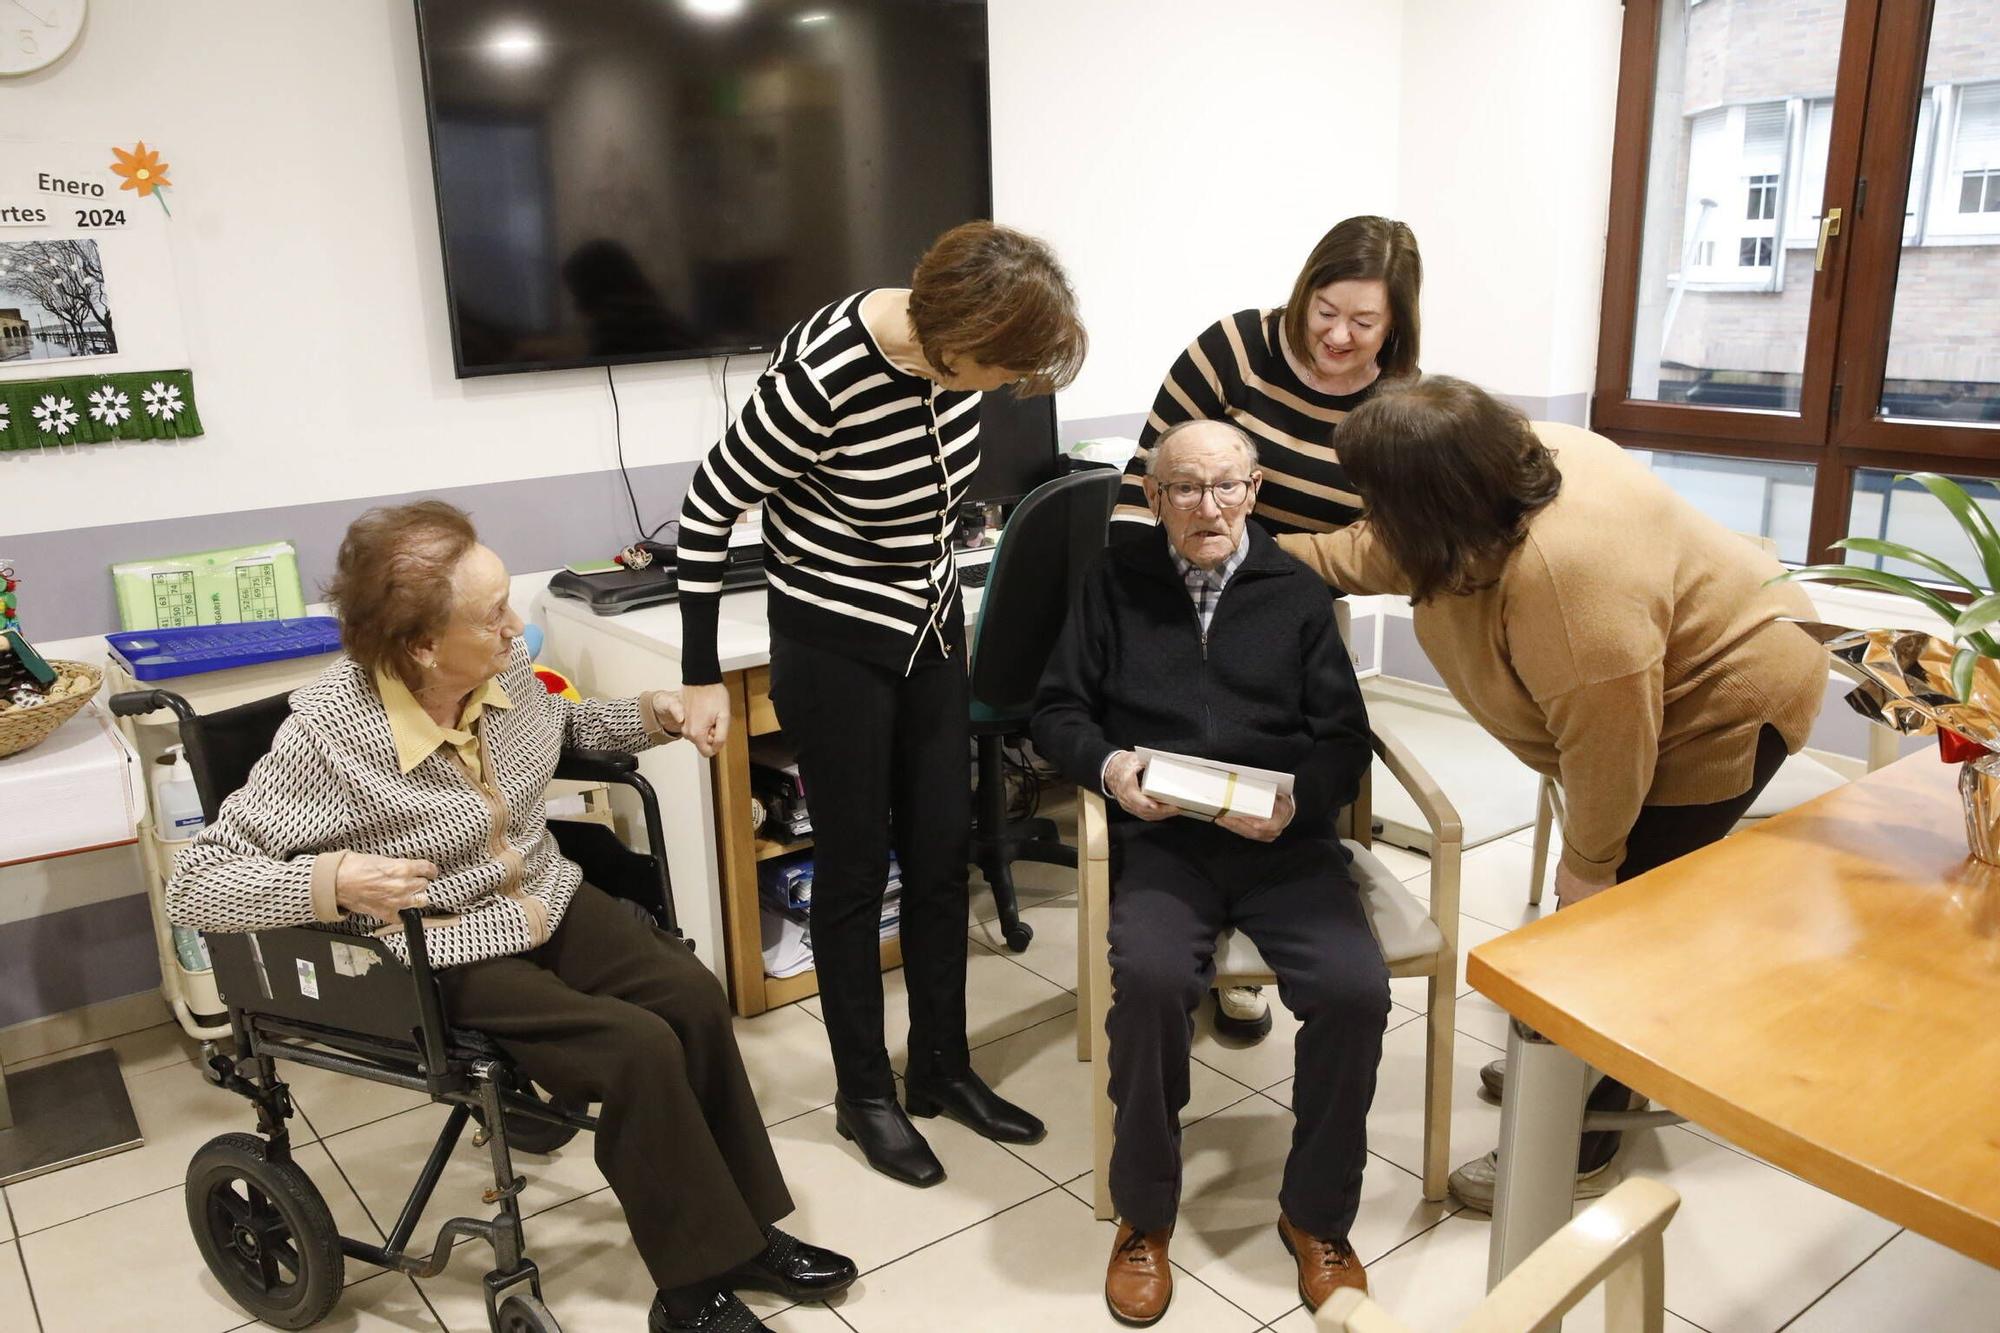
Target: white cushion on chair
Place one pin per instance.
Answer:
(1402, 924)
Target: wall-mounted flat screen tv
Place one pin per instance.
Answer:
(640, 180)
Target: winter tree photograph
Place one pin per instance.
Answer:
(52, 301)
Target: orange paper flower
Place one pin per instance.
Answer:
(142, 169)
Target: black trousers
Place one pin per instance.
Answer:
(885, 758)
(1664, 833)
(1174, 886)
(611, 1010)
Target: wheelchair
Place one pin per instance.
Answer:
(344, 1003)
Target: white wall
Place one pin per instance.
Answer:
(310, 277)
(1506, 177)
(1184, 155)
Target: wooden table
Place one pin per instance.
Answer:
(1822, 989)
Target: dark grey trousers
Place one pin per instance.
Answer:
(1175, 885)
(609, 1010)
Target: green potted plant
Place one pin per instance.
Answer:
(1912, 681)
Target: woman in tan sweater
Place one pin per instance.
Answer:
(1598, 625)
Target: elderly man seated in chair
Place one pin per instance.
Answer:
(1203, 638)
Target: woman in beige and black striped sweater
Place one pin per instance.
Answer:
(1288, 375)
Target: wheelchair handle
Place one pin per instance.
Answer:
(137, 703)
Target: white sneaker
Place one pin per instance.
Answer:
(1475, 1183)
(1242, 1012)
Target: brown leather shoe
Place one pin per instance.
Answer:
(1325, 1266)
(1138, 1283)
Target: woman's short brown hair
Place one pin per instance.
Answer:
(392, 582)
(1366, 249)
(998, 296)
(1450, 476)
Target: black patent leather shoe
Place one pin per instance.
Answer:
(887, 1139)
(793, 1269)
(720, 1313)
(966, 1099)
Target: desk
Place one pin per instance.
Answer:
(78, 791)
(704, 804)
(1822, 989)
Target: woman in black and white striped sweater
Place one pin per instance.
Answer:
(859, 442)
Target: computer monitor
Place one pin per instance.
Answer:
(1017, 447)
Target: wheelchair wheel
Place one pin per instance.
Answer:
(525, 1314)
(264, 1231)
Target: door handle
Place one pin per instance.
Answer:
(1829, 226)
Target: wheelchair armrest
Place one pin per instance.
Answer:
(596, 765)
(137, 703)
(622, 769)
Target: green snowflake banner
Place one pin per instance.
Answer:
(97, 409)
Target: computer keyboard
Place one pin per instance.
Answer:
(158, 654)
(974, 576)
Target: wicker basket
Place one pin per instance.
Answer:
(24, 728)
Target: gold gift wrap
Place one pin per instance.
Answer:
(1903, 682)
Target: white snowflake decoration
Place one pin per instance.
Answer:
(110, 405)
(55, 415)
(6, 413)
(163, 400)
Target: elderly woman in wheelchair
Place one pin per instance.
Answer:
(399, 813)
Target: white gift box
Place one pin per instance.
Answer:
(1209, 790)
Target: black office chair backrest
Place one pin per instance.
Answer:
(223, 747)
(1037, 574)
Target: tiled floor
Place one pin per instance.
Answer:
(1008, 1241)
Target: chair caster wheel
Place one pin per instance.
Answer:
(1017, 936)
(265, 1232)
(525, 1314)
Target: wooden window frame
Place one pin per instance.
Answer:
(1884, 47)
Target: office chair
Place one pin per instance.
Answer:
(258, 1219)
(1050, 542)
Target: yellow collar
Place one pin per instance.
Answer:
(417, 733)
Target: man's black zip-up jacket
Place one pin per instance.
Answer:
(1271, 687)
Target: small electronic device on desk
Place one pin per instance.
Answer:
(609, 587)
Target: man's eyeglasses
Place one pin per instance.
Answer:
(1187, 494)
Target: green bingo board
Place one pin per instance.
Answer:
(210, 588)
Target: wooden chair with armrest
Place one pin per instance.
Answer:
(1618, 1241)
(1415, 940)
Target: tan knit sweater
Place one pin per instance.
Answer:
(1630, 649)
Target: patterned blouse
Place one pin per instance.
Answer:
(350, 771)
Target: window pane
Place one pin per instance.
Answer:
(1736, 168)
(1745, 495)
(1944, 361)
(1905, 513)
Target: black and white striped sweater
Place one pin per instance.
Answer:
(860, 467)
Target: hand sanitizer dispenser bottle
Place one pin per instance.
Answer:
(177, 818)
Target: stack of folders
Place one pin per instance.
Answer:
(784, 890)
